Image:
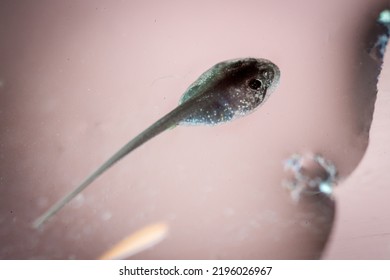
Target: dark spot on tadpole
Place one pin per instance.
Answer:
(255, 84)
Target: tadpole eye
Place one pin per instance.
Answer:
(255, 84)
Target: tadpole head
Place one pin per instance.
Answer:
(254, 81)
(231, 89)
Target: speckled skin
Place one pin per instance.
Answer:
(224, 92)
(228, 90)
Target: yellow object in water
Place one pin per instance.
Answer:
(140, 240)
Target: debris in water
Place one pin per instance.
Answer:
(312, 174)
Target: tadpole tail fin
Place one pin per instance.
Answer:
(169, 120)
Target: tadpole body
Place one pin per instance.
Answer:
(228, 90)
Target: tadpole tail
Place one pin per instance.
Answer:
(171, 119)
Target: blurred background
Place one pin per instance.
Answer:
(79, 79)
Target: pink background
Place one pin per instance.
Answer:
(78, 79)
